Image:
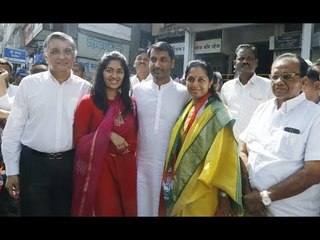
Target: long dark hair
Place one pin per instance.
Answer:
(208, 70)
(98, 91)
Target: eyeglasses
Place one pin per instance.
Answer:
(283, 76)
(56, 52)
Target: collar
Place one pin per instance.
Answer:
(55, 80)
(149, 77)
(167, 85)
(290, 104)
(252, 80)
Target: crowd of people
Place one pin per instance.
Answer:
(151, 144)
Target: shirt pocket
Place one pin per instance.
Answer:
(256, 97)
(288, 145)
(255, 100)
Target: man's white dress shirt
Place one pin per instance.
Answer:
(279, 141)
(41, 116)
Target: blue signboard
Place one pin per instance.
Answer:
(15, 55)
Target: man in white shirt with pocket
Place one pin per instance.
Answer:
(281, 147)
(245, 93)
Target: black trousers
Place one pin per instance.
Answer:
(45, 183)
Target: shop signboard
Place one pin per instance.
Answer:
(16, 56)
(287, 42)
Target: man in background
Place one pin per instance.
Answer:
(79, 70)
(19, 76)
(38, 67)
(243, 94)
(141, 64)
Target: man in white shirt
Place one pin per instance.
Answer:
(243, 94)
(7, 90)
(159, 102)
(281, 147)
(311, 85)
(141, 64)
(7, 94)
(37, 142)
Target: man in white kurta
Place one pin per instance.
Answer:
(159, 102)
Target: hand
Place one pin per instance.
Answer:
(3, 82)
(224, 207)
(120, 143)
(12, 185)
(252, 203)
(263, 212)
(3, 75)
(3, 72)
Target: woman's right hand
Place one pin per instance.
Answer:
(120, 143)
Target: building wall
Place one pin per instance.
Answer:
(235, 34)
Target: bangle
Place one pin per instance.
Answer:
(223, 194)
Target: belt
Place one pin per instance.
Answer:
(57, 155)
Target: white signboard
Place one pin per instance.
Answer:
(207, 46)
(91, 47)
(178, 48)
(109, 29)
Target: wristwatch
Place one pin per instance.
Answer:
(265, 198)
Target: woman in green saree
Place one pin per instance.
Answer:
(202, 170)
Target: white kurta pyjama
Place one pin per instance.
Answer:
(157, 111)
